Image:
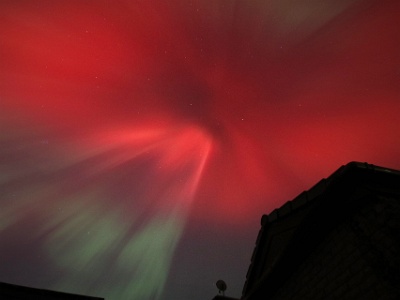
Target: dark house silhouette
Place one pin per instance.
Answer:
(338, 240)
(17, 292)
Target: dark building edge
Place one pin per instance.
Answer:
(12, 291)
(342, 194)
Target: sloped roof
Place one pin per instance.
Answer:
(289, 232)
(17, 292)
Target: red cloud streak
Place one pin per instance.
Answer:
(281, 103)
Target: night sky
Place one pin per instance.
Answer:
(142, 140)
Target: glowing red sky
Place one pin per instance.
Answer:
(254, 101)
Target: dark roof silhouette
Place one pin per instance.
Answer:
(17, 292)
(356, 208)
(219, 297)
